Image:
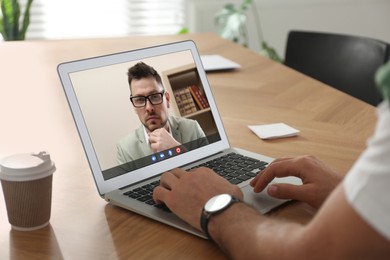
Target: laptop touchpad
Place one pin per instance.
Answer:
(262, 201)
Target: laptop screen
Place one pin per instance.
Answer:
(118, 132)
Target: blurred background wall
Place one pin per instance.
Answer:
(61, 19)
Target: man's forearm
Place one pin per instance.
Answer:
(243, 233)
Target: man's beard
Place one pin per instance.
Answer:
(150, 129)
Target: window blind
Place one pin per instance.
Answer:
(59, 19)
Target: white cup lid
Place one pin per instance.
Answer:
(26, 167)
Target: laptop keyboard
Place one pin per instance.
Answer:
(234, 167)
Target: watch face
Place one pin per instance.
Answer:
(217, 203)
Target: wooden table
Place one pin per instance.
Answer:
(35, 116)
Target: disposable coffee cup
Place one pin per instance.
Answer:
(26, 180)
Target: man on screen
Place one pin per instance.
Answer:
(159, 131)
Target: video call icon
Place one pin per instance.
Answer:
(162, 155)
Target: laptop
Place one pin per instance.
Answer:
(98, 95)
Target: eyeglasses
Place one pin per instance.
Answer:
(154, 99)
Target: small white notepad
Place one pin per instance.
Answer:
(217, 62)
(271, 131)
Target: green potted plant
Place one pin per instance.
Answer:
(231, 22)
(9, 21)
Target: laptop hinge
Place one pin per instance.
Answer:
(182, 166)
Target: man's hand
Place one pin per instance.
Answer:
(318, 179)
(161, 140)
(185, 193)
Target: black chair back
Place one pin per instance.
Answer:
(345, 62)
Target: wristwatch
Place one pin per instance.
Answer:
(213, 206)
